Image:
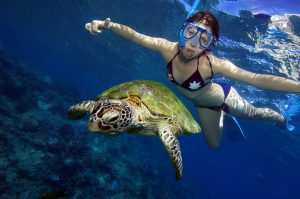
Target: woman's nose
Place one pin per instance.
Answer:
(194, 42)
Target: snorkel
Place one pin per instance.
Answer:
(193, 10)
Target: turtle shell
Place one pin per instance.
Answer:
(159, 100)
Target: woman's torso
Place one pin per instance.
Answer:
(209, 94)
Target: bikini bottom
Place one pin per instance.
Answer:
(224, 107)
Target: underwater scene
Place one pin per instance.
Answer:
(50, 62)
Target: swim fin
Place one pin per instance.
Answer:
(233, 130)
(287, 113)
(286, 125)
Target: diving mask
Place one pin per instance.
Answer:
(196, 35)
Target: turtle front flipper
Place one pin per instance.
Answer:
(79, 110)
(167, 136)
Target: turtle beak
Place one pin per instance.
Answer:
(93, 124)
(93, 127)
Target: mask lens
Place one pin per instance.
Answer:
(205, 39)
(189, 31)
(197, 34)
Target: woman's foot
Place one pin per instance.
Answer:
(285, 125)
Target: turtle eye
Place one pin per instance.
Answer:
(110, 116)
(113, 119)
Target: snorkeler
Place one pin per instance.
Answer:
(191, 68)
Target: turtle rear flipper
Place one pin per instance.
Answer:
(79, 110)
(167, 134)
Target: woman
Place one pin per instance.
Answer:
(191, 68)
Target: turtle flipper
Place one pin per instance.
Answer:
(172, 146)
(79, 110)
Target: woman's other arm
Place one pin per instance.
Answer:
(264, 81)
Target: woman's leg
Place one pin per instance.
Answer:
(239, 107)
(211, 123)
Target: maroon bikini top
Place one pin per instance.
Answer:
(195, 81)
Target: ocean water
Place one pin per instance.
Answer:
(49, 62)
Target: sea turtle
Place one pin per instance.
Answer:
(143, 107)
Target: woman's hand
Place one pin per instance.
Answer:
(96, 26)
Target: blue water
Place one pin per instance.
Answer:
(49, 37)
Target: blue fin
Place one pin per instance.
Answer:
(290, 127)
(291, 110)
(286, 125)
(235, 133)
(237, 123)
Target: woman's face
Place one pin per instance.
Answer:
(192, 48)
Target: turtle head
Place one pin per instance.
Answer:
(110, 117)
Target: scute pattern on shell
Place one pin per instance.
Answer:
(159, 99)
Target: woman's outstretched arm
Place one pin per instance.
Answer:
(264, 81)
(153, 43)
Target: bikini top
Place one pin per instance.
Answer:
(195, 81)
